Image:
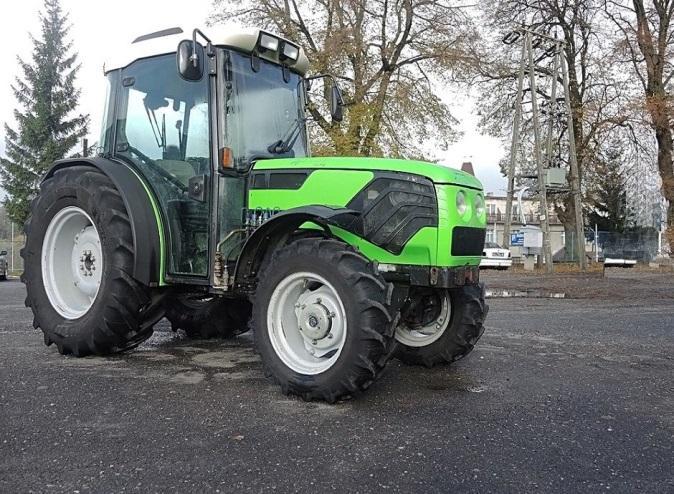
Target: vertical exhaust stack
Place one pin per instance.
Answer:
(467, 166)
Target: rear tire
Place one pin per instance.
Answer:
(122, 312)
(456, 336)
(204, 316)
(323, 320)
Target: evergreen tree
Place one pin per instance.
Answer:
(47, 128)
(607, 201)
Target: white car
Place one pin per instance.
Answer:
(494, 256)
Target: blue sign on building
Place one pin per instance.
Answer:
(517, 239)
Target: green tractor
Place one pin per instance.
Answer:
(203, 205)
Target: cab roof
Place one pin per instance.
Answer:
(166, 41)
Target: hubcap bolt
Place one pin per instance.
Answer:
(313, 342)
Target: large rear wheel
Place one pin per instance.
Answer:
(440, 326)
(323, 320)
(79, 257)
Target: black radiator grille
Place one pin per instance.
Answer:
(394, 208)
(467, 241)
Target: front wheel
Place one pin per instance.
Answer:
(440, 326)
(322, 319)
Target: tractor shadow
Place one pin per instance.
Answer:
(173, 358)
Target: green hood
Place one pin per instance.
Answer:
(437, 173)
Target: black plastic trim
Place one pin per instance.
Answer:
(423, 213)
(263, 179)
(468, 241)
(144, 226)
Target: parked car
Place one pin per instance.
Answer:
(495, 256)
(3, 265)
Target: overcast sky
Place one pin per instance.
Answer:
(98, 31)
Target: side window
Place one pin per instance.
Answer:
(163, 128)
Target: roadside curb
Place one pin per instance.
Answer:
(523, 294)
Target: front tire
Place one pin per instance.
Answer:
(440, 326)
(79, 259)
(322, 319)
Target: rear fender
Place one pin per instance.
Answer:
(148, 241)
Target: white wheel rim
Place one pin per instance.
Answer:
(306, 322)
(430, 333)
(72, 262)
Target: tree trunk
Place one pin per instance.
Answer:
(663, 135)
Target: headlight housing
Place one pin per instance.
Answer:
(461, 203)
(478, 205)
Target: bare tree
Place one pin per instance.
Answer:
(391, 56)
(648, 46)
(596, 91)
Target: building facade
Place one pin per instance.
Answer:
(496, 207)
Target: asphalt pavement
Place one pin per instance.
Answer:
(558, 396)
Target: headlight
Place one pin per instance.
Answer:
(478, 205)
(461, 204)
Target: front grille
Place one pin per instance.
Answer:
(467, 241)
(394, 208)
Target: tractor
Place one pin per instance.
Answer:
(203, 204)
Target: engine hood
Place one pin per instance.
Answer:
(437, 173)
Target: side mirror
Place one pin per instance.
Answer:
(336, 104)
(190, 59)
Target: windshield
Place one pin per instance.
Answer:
(264, 114)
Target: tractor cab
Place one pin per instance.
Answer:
(191, 120)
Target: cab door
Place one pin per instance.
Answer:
(162, 130)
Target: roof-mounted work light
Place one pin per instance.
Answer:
(268, 42)
(289, 52)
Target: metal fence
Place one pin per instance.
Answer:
(643, 245)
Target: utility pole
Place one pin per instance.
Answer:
(554, 49)
(575, 176)
(12, 248)
(514, 148)
(543, 200)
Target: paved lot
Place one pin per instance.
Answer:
(560, 395)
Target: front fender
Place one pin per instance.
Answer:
(146, 224)
(278, 228)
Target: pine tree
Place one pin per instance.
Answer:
(47, 126)
(607, 202)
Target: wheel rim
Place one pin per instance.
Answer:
(306, 322)
(72, 262)
(423, 335)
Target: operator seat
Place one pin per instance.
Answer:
(180, 169)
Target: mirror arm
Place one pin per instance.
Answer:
(209, 46)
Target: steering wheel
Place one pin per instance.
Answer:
(149, 161)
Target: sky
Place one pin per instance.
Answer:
(97, 32)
